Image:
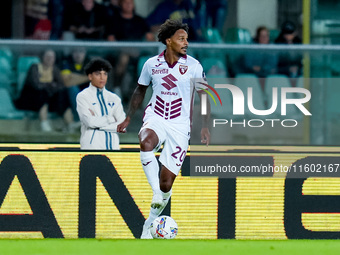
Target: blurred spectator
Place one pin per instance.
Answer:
(56, 16)
(69, 7)
(44, 91)
(131, 28)
(212, 13)
(128, 26)
(42, 30)
(112, 12)
(176, 9)
(100, 110)
(261, 63)
(112, 9)
(36, 11)
(88, 21)
(74, 76)
(290, 63)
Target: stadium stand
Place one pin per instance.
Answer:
(8, 54)
(23, 65)
(219, 52)
(224, 111)
(238, 35)
(212, 35)
(6, 74)
(280, 81)
(7, 108)
(141, 62)
(236, 60)
(330, 95)
(245, 81)
(214, 67)
(300, 82)
(273, 34)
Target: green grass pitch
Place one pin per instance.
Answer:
(164, 247)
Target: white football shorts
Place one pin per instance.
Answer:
(175, 143)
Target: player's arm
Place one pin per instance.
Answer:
(201, 88)
(136, 101)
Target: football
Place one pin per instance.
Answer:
(164, 227)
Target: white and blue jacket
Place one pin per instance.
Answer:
(100, 111)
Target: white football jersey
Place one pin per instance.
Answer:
(173, 88)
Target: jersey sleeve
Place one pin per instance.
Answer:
(145, 77)
(199, 73)
(199, 80)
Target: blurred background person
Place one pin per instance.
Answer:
(36, 11)
(259, 62)
(212, 13)
(88, 20)
(42, 30)
(176, 9)
(68, 13)
(127, 26)
(290, 62)
(100, 110)
(74, 76)
(112, 10)
(44, 92)
(56, 10)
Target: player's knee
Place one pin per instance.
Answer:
(165, 186)
(146, 145)
(148, 140)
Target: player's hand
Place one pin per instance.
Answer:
(205, 136)
(121, 128)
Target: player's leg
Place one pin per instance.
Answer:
(148, 140)
(167, 178)
(166, 181)
(172, 157)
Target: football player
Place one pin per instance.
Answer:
(167, 116)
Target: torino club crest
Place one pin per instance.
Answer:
(183, 69)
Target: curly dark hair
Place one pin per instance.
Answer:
(97, 64)
(169, 28)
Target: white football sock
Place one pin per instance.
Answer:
(166, 196)
(155, 212)
(151, 169)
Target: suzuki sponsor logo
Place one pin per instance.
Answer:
(169, 82)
